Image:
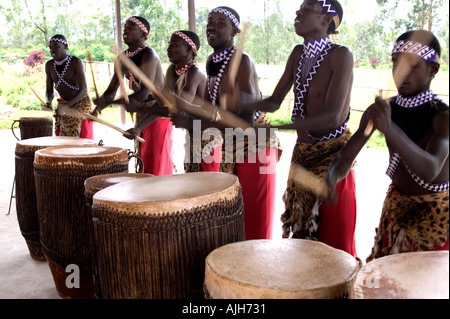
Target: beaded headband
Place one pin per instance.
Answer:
(58, 40)
(139, 24)
(330, 9)
(186, 38)
(417, 48)
(227, 13)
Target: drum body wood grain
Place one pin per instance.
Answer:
(32, 127)
(418, 275)
(152, 235)
(92, 186)
(26, 208)
(60, 173)
(279, 269)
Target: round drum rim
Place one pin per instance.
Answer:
(79, 155)
(94, 184)
(166, 196)
(37, 143)
(285, 284)
(373, 282)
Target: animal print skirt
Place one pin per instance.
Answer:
(411, 223)
(301, 216)
(67, 125)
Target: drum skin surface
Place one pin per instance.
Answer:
(279, 269)
(417, 275)
(152, 235)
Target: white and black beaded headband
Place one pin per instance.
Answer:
(58, 40)
(227, 13)
(417, 48)
(330, 9)
(139, 24)
(186, 38)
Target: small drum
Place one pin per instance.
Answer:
(92, 186)
(279, 269)
(60, 173)
(32, 127)
(418, 275)
(27, 215)
(152, 235)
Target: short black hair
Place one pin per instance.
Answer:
(422, 36)
(194, 37)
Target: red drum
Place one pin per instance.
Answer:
(60, 173)
(92, 186)
(26, 208)
(152, 235)
(418, 275)
(279, 269)
(32, 127)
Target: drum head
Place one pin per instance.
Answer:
(166, 194)
(97, 183)
(34, 144)
(83, 155)
(279, 269)
(420, 275)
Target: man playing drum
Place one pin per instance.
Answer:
(65, 74)
(156, 152)
(415, 124)
(322, 75)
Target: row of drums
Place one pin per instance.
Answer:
(106, 233)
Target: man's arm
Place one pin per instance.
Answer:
(49, 93)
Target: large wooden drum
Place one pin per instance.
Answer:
(279, 269)
(92, 186)
(419, 275)
(60, 173)
(27, 215)
(152, 235)
(34, 126)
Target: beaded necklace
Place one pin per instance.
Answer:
(312, 57)
(61, 76)
(217, 58)
(131, 78)
(183, 69)
(394, 163)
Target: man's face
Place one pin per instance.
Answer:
(132, 33)
(178, 50)
(412, 74)
(309, 17)
(219, 30)
(57, 50)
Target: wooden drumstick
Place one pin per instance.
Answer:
(147, 82)
(308, 180)
(38, 97)
(235, 63)
(118, 70)
(93, 75)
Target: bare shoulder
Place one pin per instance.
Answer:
(150, 54)
(341, 51)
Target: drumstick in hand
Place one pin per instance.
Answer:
(38, 97)
(93, 75)
(118, 70)
(235, 63)
(147, 82)
(308, 179)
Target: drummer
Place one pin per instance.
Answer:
(156, 152)
(415, 124)
(257, 171)
(65, 74)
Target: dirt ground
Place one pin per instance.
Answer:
(21, 277)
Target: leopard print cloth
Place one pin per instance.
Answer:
(301, 216)
(411, 223)
(71, 125)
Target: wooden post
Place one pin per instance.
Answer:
(119, 49)
(191, 10)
